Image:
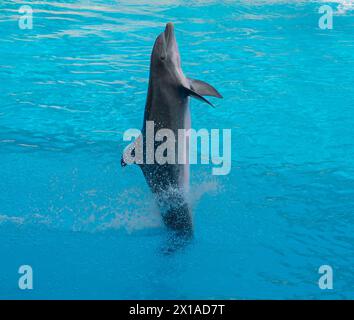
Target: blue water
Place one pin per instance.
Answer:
(73, 84)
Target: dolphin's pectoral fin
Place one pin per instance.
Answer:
(133, 153)
(199, 88)
(203, 88)
(196, 95)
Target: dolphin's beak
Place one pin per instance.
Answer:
(169, 33)
(168, 39)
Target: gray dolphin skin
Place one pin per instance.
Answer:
(167, 104)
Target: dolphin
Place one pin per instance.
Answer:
(167, 105)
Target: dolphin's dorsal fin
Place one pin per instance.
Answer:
(203, 88)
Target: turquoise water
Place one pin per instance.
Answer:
(74, 83)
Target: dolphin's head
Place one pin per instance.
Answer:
(166, 71)
(165, 57)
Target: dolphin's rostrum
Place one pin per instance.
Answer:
(167, 105)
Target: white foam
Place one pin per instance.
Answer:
(11, 219)
(132, 210)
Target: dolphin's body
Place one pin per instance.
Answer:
(167, 104)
